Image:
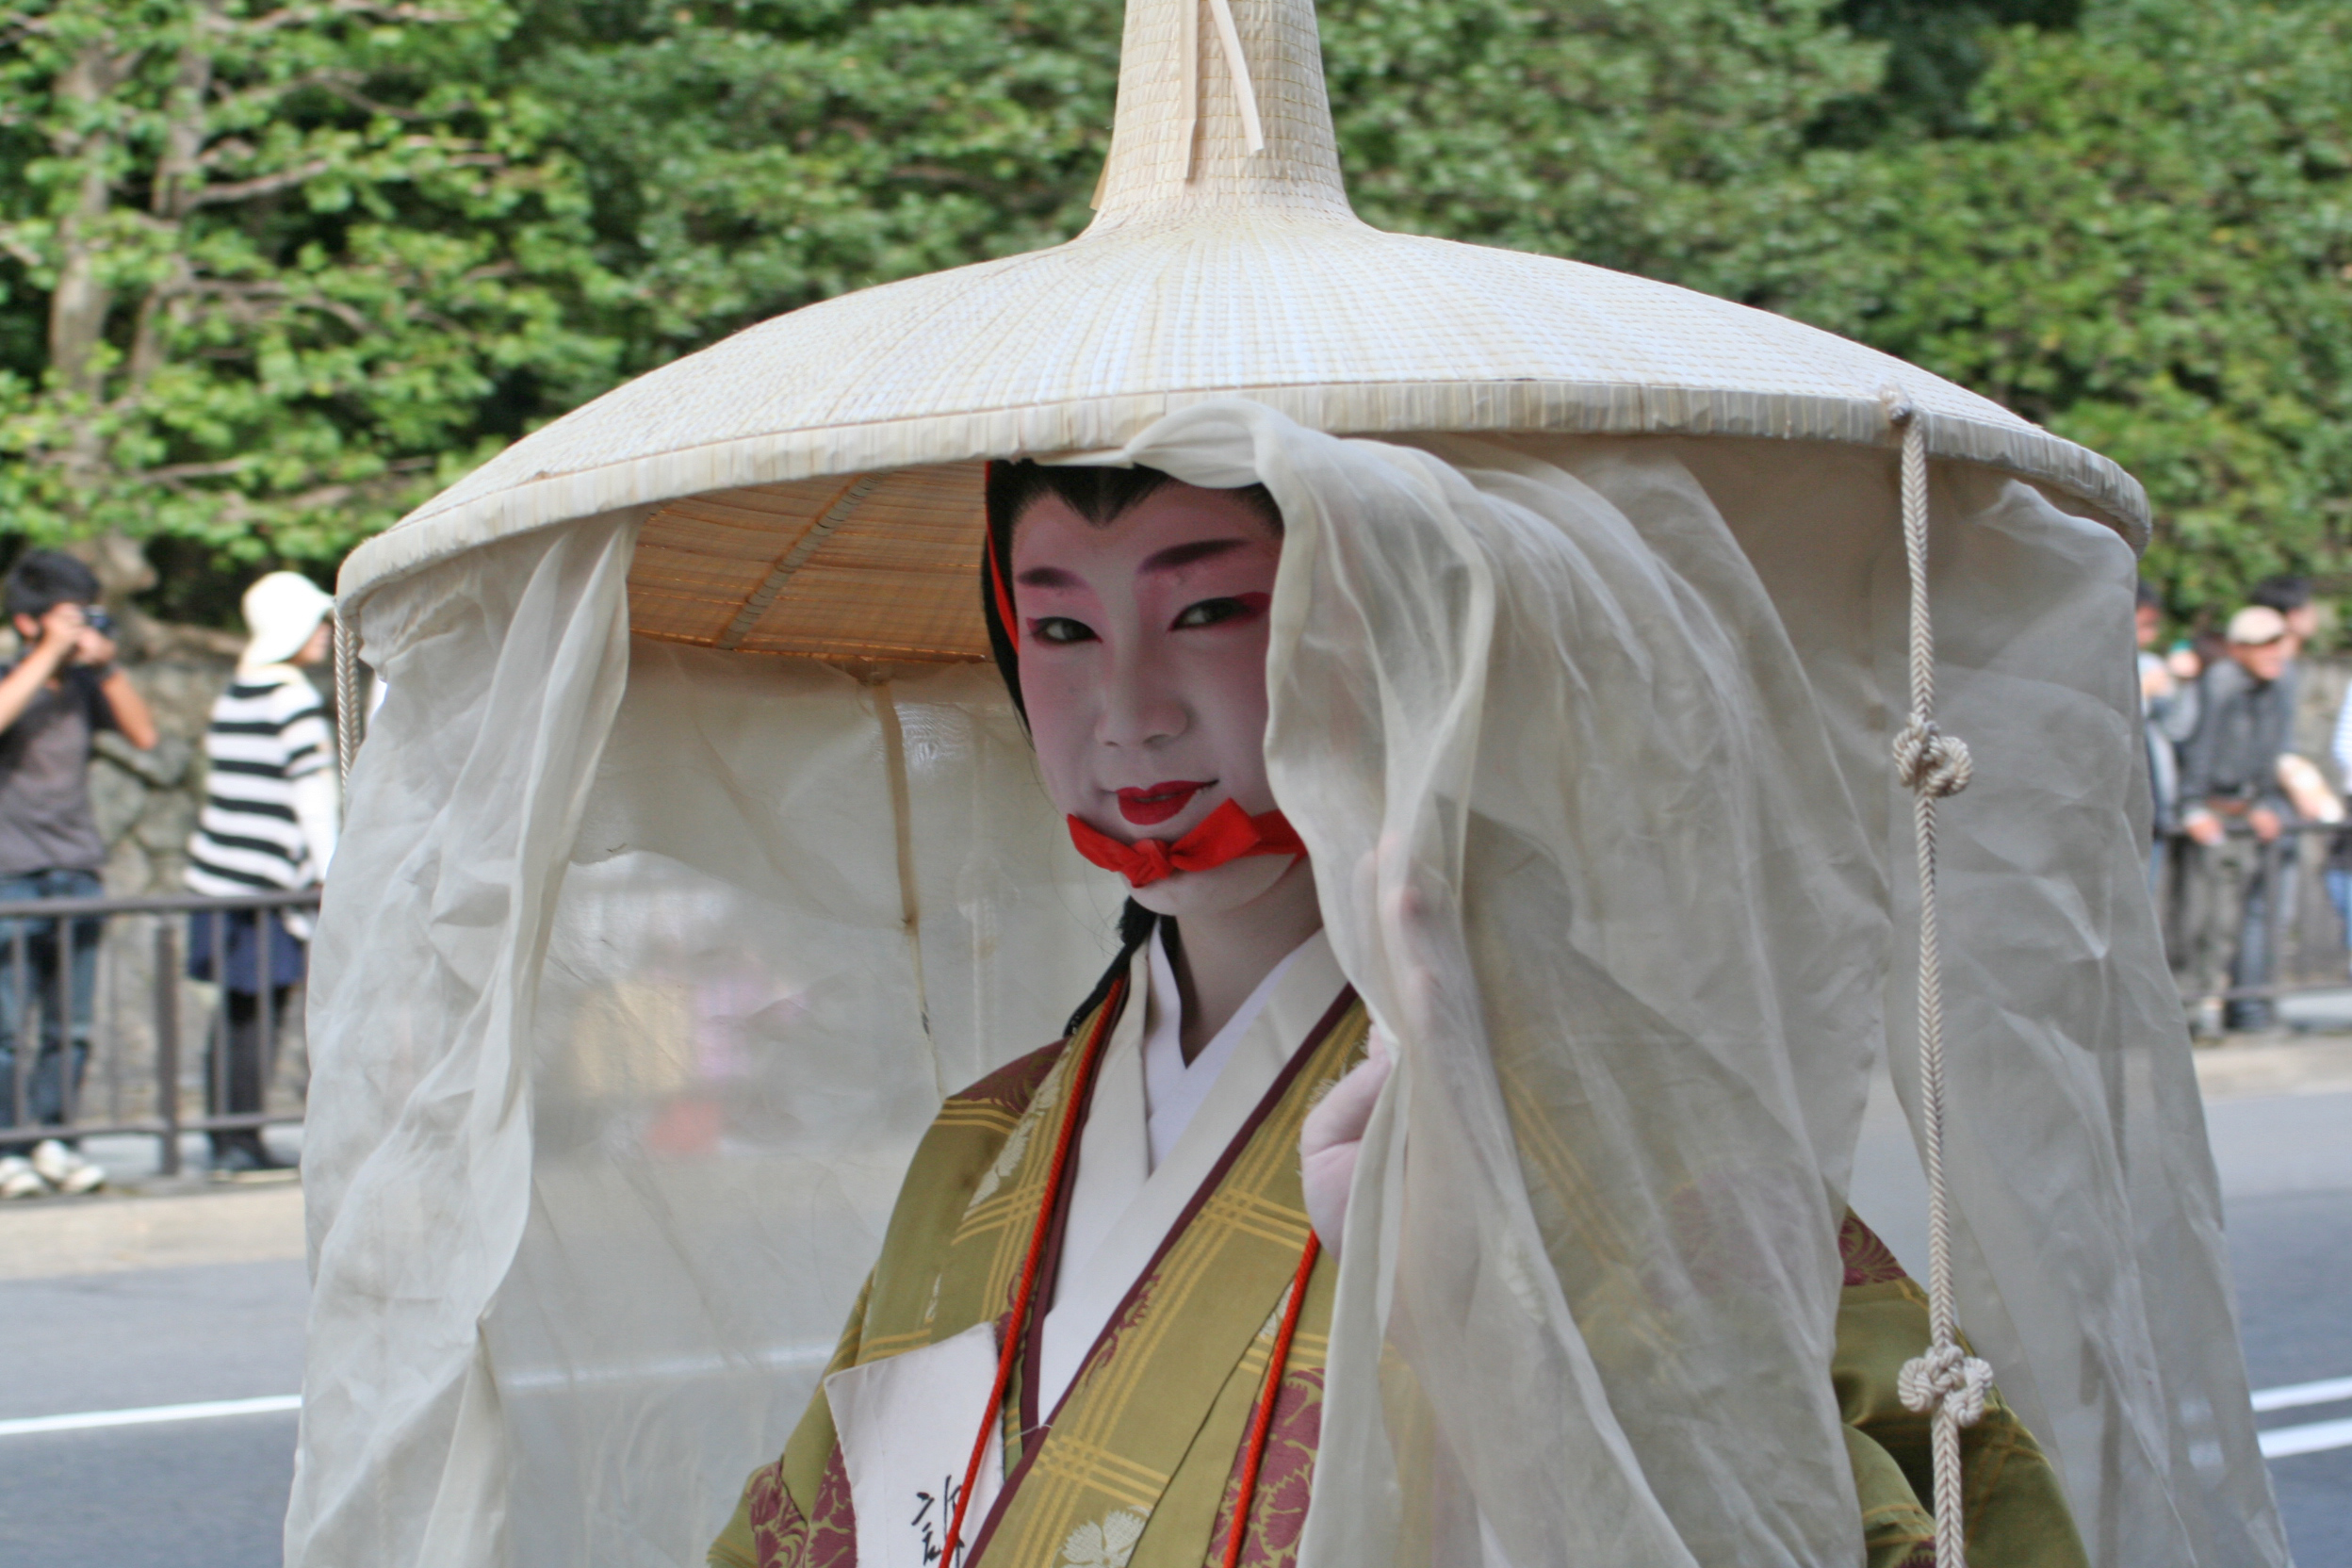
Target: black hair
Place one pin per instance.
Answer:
(1102, 496)
(2283, 593)
(1135, 926)
(2148, 599)
(43, 580)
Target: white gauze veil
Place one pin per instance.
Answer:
(1604, 838)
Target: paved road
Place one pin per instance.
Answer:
(206, 1494)
(209, 1493)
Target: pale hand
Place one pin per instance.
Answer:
(2204, 828)
(1332, 1137)
(2265, 823)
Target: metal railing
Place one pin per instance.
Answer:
(2296, 916)
(99, 1002)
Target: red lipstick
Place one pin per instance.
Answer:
(1156, 802)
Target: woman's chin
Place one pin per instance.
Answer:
(1208, 894)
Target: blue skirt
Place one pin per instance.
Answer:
(242, 933)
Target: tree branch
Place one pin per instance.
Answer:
(265, 185)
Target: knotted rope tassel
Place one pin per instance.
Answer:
(1947, 1382)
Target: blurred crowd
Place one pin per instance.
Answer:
(2233, 798)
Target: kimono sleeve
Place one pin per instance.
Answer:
(787, 1505)
(2017, 1517)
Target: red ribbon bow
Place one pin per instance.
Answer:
(1228, 833)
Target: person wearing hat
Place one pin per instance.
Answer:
(2233, 810)
(61, 690)
(269, 824)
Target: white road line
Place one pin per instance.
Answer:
(2315, 1438)
(275, 1404)
(2325, 1392)
(2278, 1443)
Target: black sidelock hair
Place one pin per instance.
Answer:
(43, 580)
(1102, 496)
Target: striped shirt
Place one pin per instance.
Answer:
(269, 729)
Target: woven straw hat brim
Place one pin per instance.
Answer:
(813, 482)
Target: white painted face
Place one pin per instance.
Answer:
(1143, 668)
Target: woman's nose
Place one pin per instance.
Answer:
(1140, 704)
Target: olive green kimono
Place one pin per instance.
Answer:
(1139, 1466)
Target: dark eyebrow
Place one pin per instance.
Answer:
(1178, 556)
(1046, 576)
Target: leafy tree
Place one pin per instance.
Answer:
(1936, 51)
(2146, 245)
(294, 265)
(749, 157)
(1642, 135)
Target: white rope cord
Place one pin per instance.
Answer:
(1947, 1380)
(347, 719)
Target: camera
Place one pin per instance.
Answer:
(97, 620)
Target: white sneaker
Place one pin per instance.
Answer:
(65, 1169)
(18, 1179)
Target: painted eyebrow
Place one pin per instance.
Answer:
(1178, 556)
(1046, 576)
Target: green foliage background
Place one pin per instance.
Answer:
(319, 257)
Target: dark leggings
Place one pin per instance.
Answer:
(253, 1050)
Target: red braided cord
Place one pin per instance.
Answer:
(1079, 1076)
(1253, 1457)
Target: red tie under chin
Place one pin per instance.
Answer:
(1228, 833)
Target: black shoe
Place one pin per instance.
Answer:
(244, 1157)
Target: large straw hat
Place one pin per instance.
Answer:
(812, 483)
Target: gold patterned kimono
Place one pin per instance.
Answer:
(1140, 1465)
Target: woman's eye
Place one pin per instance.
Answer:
(1060, 629)
(1211, 612)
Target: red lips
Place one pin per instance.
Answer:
(1156, 803)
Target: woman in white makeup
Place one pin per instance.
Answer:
(1119, 1251)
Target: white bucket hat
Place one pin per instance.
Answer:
(282, 609)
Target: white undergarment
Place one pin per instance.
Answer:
(1122, 1201)
(1174, 1088)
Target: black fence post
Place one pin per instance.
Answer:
(168, 1040)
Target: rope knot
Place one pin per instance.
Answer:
(1930, 761)
(1947, 1379)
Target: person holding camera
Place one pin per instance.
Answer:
(61, 691)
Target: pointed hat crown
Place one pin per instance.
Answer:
(812, 485)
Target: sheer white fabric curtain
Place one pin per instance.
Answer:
(642, 970)
(1591, 741)
(642, 978)
(505, 667)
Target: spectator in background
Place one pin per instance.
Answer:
(2230, 780)
(268, 825)
(2168, 717)
(2292, 598)
(63, 689)
(2338, 876)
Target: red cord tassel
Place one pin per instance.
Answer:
(1253, 1457)
(1082, 1076)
